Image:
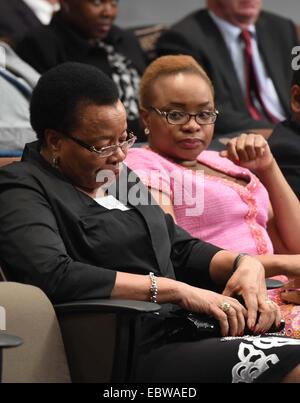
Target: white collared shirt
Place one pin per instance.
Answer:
(111, 203)
(42, 9)
(232, 37)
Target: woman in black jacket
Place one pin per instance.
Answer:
(84, 31)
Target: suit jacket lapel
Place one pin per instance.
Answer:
(271, 57)
(221, 58)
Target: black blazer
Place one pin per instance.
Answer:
(57, 43)
(285, 146)
(16, 19)
(59, 239)
(198, 35)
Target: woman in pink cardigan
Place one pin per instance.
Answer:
(215, 196)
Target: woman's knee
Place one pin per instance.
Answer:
(293, 376)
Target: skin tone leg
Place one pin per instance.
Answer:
(293, 376)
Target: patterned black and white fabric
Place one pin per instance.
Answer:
(246, 359)
(126, 78)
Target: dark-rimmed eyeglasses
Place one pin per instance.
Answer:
(175, 117)
(105, 151)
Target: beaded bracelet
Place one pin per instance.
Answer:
(153, 288)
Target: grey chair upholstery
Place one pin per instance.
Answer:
(30, 315)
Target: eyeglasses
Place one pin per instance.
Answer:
(181, 118)
(105, 151)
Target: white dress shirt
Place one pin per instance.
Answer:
(232, 37)
(42, 9)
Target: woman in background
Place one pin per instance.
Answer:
(84, 31)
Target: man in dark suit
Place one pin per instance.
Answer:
(83, 31)
(222, 38)
(285, 140)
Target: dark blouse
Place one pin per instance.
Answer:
(56, 237)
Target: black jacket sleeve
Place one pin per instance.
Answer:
(42, 49)
(190, 256)
(33, 252)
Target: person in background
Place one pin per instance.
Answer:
(215, 199)
(247, 54)
(72, 235)
(17, 80)
(18, 17)
(83, 31)
(285, 139)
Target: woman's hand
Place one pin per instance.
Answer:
(248, 281)
(231, 317)
(249, 151)
(291, 291)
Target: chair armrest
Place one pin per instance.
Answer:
(9, 341)
(107, 306)
(101, 337)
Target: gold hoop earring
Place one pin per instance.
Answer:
(146, 131)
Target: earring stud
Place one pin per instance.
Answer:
(54, 161)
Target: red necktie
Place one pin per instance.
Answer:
(252, 84)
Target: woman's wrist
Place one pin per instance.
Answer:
(237, 262)
(169, 290)
(221, 266)
(266, 170)
(288, 265)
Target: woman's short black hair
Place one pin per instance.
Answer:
(61, 91)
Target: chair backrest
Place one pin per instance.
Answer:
(30, 315)
(147, 37)
(8, 160)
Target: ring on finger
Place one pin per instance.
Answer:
(225, 306)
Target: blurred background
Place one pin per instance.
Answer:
(142, 12)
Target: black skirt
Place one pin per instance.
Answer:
(247, 359)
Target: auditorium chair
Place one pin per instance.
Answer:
(80, 341)
(8, 156)
(147, 36)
